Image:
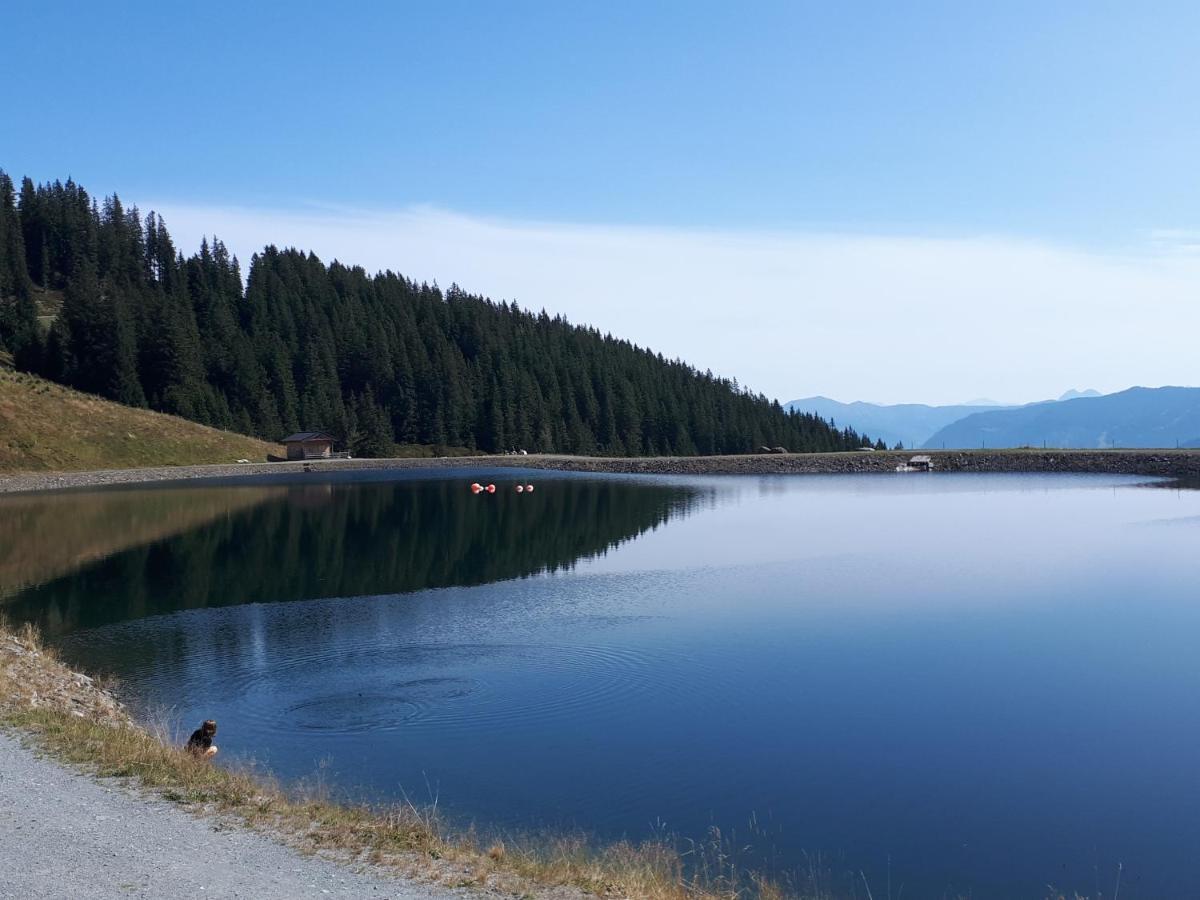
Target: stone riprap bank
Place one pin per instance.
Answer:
(1180, 464)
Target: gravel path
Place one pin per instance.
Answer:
(67, 835)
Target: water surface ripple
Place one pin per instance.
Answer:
(984, 683)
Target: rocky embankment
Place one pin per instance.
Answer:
(65, 834)
(1166, 463)
(170, 825)
(33, 678)
(1183, 464)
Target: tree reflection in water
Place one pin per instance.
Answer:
(349, 539)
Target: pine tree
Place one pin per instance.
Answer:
(19, 331)
(373, 428)
(100, 349)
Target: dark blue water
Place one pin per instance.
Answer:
(984, 684)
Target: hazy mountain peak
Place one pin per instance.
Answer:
(907, 423)
(1136, 417)
(1075, 395)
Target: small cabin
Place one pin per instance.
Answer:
(309, 445)
(921, 463)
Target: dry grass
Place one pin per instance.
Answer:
(407, 839)
(76, 720)
(59, 708)
(45, 427)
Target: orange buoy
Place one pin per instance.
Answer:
(476, 488)
(491, 489)
(529, 487)
(520, 488)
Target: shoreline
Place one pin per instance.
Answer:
(1177, 464)
(81, 738)
(82, 725)
(220, 860)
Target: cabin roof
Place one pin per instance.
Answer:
(302, 436)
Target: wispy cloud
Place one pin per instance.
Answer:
(853, 316)
(1176, 240)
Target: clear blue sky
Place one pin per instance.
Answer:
(935, 201)
(1077, 120)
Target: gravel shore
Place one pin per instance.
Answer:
(1183, 464)
(65, 834)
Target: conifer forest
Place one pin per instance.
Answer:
(95, 296)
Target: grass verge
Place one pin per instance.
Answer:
(78, 721)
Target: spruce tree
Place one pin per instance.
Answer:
(19, 331)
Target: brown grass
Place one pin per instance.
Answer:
(39, 696)
(45, 427)
(75, 719)
(403, 838)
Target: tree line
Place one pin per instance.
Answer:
(377, 360)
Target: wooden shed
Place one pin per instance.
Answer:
(309, 445)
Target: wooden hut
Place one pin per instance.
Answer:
(309, 445)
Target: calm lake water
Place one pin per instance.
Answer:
(984, 684)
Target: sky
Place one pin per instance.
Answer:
(926, 202)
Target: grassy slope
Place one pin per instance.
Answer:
(45, 427)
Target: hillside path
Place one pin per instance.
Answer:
(65, 834)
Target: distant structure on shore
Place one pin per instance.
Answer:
(309, 445)
(920, 463)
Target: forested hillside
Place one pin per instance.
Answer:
(375, 359)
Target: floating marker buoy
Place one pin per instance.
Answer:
(491, 489)
(529, 487)
(476, 488)
(520, 488)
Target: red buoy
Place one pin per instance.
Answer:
(476, 488)
(520, 488)
(529, 487)
(491, 489)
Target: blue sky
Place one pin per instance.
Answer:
(1064, 127)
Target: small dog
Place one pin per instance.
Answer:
(200, 744)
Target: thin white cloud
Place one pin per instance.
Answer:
(884, 318)
(1176, 240)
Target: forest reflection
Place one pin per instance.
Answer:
(339, 540)
(43, 536)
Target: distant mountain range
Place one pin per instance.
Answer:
(1138, 417)
(910, 424)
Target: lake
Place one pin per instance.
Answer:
(980, 684)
